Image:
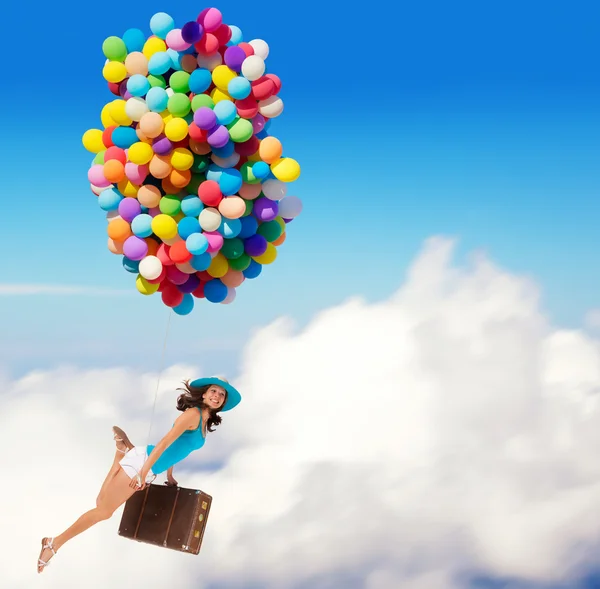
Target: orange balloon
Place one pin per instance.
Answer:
(160, 166)
(180, 178)
(118, 229)
(200, 148)
(232, 207)
(116, 247)
(250, 191)
(189, 63)
(270, 149)
(168, 186)
(280, 239)
(149, 196)
(114, 171)
(233, 278)
(152, 246)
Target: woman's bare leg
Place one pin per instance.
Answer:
(117, 492)
(122, 448)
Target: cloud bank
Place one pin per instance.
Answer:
(414, 442)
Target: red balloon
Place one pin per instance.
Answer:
(197, 134)
(107, 136)
(163, 254)
(199, 291)
(179, 253)
(115, 153)
(248, 49)
(248, 147)
(204, 276)
(208, 45)
(275, 80)
(247, 108)
(223, 34)
(171, 295)
(114, 88)
(210, 193)
(263, 88)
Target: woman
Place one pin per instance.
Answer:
(134, 467)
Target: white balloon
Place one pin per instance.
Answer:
(173, 240)
(170, 91)
(290, 207)
(261, 48)
(99, 189)
(112, 215)
(150, 267)
(136, 108)
(230, 296)
(253, 67)
(271, 107)
(209, 219)
(274, 189)
(210, 62)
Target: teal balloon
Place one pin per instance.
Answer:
(191, 206)
(156, 99)
(186, 306)
(239, 88)
(230, 228)
(188, 226)
(201, 262)
(109, 199)
(132, 266)
(134, 40)
(141, 226)
(196, 244)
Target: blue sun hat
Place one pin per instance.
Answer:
(233, 395)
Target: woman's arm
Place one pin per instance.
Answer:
(187, 420)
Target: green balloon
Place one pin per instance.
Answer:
(271, 230)
(202, 100)
(249, 207)
(232, 248)
(241, 263)
(240, 130)
(179, 105)
(194, 183)
(114, 48)
(247, 175)
(201, 163)
(170, 205)
(180, 82)
(157, 81)
(99, 158)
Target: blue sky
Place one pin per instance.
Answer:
(409, 120)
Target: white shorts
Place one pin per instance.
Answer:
(133, 462)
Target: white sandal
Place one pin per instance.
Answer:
(120, 436)
(46, 543)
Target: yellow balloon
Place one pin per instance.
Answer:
(281, 223)
(180, 215)
(217, 95)
(268, 257)
(153, 45)
(114, 71)
(126, 188)
(166, 116)
(119, 114)
(176, 129)
(145, 287)
(140, 153)
(286, 169)
(219, 266)
(182, 158)
(92, 140)
(164, 226)
(221, 76)
(106, 118)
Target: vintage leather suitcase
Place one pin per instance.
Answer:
(171, 517)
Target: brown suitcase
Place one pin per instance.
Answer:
(171, 517)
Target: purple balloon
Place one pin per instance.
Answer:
(129, 209)
(191, 284)
(288, 220)
(135, 248)
(234, 57)
(218, 136)
(162, 145)
(265, 209)
(258, 123)
(255, 245)
(191, 32)
(205, 118)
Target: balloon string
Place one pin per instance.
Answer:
(160, 369)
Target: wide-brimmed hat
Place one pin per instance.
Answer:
(233, 395)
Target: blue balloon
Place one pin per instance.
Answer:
(236, 35)
(200, 80)
(226, 112)
(186, 306)
(191, 206)
(262, 134)
(230, 181)
(215, 291)
(134, 40)
(201, 262)
(109, 199)
(196, 244)
(249, 226)
(132, 266)
(138, 85)
(175, 57)
(124, 137)
(230, 228)
(159, 63)
(253, 270)
(239, 88)
(226, 151)
(188, 226)
(141, 226)
(157, 99)
(261, 170)
(161, 24)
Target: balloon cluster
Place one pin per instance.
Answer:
(193, 185)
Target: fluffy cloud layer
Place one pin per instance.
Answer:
(404, 443)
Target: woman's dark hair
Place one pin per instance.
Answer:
(192, 397)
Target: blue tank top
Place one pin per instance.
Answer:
(184, 445)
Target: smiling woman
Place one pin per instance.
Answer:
(134, 467)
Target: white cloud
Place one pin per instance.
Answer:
(402, 443)
(56, 289)
(592, 319)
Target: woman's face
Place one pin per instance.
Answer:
(214, 396)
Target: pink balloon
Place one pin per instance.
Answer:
(211, 19)
(215, 241)
(136, 173)
(176, 276)
(96, 176)
(175, 41)
(258, 123)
